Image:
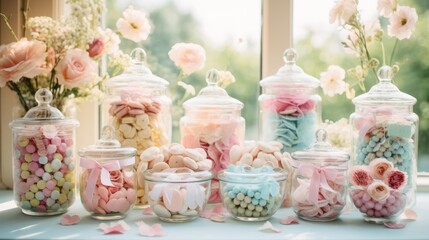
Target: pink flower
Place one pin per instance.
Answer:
(49, 62)
(386, 7)
(395, 178)
(402, 22)
(379, 166)
(378, 191)
(359, 176)
(21, 59)
(96, 48)
(290, 104)
(342, 11)
(76, 69)
(135, 25)
(332, 81)
(189, 57)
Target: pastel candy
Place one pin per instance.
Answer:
(174, 202)
(161, 211)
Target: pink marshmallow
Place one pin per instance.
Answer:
(40, 172)
(33, 166)
(30, 148)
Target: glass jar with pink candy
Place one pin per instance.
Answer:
(319, 187)
(289, 106)
(43, 156)
(213, 122)
(138, 108)
(107, 181)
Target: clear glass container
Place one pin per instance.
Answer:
(138, 108)
(252, 194)
(108, 185)
(319, 187)
(213, 122)
(384, 150)
(43, 146)
(289, 106)
(178, 194)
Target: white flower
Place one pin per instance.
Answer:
(332, 81)
(339, 132)
(386, 7)
(135, 25)
(342, 11)
(188, 88)
(226, 78)
(110, 39)
(402, 22)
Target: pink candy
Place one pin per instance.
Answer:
(393, 205)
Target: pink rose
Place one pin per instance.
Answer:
(21, 59)
(76, 69)
(379, 166)
(189, 57)
(378, 191)
(96, 48)
(395, 178)
(134, 26)
(360, 176)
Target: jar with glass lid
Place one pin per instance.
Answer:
(43, 155)
(384, 150)
(138, 108)
(107, 181)
(289, 106)
(213, 122)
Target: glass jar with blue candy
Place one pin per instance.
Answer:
(384, 150)
(289, 106)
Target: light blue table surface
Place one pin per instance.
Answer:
(14, 224)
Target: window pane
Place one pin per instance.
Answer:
(319, 45)
(230, 32)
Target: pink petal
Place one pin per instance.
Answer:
(69, 219)
(394, 225)
(216, 210)
(289, 220)
(150, 231)
(269, 227)
(217, 218)
(410, 214)
(148, 211)
(114, 228)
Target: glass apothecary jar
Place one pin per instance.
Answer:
(319, 187)
(108, 186)
(138, 108)
(43, 146)
(384, 150)
(213, 122)
(289, 106)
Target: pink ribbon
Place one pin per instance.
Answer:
(101, 171)
(319, 177)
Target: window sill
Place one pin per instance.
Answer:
(15, 224)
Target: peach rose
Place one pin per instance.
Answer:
(21, 59)
(396, 178)
(378, 191)
(189, 57)
(379, 166)
(360, 176)
(76, 69)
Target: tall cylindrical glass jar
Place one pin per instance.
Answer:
(384, 150)
(139, 110)
(289, 106)
(43, 156)
(213, 122)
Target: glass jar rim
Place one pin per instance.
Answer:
(186, 176)
(233, 177)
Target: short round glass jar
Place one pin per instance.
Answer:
(319, 187)
(384, 151)
(289, 106)
(108, 186)
(177, 194)
(43, 170)
(252, 194)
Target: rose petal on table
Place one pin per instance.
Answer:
(269, 227)
(216, 210)
(217, 218)
(67, 220)
(114, 228)
(150, 231)
(289, 220)
(394, 225)
(410, 214)
(148, 211)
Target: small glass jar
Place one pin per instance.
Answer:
(177, 194)
(319, 188)
(384, 150)
(213, 122)
(289, 106)
(138, 108)
(252, 194)
(108, 186)
(43, 147)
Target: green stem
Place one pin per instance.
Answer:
(393, 52)
(14, 87)
(6, 21)
(384, 53)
